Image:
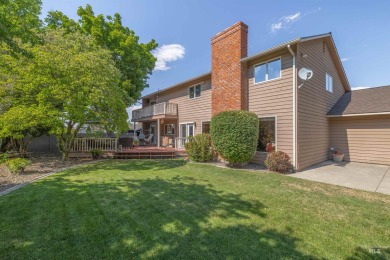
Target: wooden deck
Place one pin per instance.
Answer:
(146, 152)
(138, 152)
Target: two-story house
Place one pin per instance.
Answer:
(303, 118)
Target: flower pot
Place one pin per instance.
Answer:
(337, 157)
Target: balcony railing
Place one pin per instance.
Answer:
(164, 108)
(89, 144)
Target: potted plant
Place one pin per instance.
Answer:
(337, 156)
(96, 153)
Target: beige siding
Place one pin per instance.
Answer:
(274, 98)
(362, 139)
(314, 102)
(190, 110)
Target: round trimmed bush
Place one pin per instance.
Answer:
(279, 162)
(234, 135)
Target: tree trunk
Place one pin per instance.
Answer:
(21, 145)
(66, 140)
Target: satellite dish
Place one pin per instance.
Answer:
(305, 74)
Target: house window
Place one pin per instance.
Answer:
(169, 129)
(268, 71)
(152, 103)
(267, 133)
(329, 83)
(194, 91)
(205, 127)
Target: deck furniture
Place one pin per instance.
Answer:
(125, 143)
(148, 140)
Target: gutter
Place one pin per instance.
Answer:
(294, 108)
(362, 114)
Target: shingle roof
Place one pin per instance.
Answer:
(363, 101)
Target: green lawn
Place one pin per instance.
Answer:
(172, 209)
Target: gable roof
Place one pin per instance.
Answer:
(332, 48)
(326, 36)
(204, 75)
(370, 101)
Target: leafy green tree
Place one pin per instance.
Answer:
(19, 19)
(133, 59)
(21, 124)
(74, 80)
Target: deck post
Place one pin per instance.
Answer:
(158, 133)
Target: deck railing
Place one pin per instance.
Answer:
(163, 108)
(89, 144)
(181, 142)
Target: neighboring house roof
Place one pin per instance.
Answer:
(332, 49)
(178, 84)
(370, 101)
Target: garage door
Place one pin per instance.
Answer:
(362, 139)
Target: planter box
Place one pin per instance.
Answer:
(337, 157)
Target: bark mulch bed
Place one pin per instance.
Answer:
(41, 165)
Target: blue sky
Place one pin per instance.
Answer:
(361, 30)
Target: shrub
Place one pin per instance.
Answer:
(278, 162)
(4, 157)
(17, 165)
(199, 148)
(234, 135)
(96, 153)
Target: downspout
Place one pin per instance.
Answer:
(294, 110)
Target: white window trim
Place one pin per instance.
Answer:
(193, 86)
(186, 123)
(266, 62)
(276, 131)
(326, 86)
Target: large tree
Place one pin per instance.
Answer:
(133, 59)
(19, 20)
(73, 80)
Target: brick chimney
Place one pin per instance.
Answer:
(228, 76)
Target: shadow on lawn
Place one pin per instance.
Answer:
(145, 218)
(128, 166)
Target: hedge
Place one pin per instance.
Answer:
(234, 135)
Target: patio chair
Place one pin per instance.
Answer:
(167, 142)
(125, 143)
(149, 139)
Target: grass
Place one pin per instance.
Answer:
(172, 209)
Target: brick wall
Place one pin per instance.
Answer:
(228, 78)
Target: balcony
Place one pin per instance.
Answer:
(160, 110)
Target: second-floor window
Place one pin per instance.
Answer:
(194, 91)
(329, 83)
(268, 71)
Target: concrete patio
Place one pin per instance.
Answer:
(363, 176)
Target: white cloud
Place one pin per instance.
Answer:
(285, 22)
(344, 59)
(313, 11)
(168, 53)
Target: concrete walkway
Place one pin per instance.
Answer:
(363, 176)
